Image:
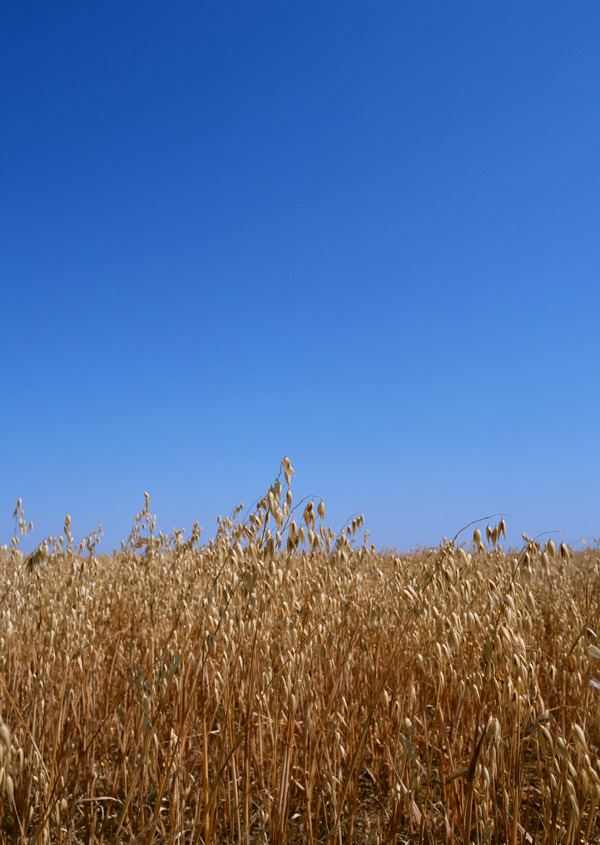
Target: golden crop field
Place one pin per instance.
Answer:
(281, 683)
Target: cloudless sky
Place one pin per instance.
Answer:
(365, 234)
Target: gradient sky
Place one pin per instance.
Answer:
(366, 235)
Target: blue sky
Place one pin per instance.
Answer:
(362, 234)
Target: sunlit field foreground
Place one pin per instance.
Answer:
(284, 683)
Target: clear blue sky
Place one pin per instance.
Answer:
(366, 235)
